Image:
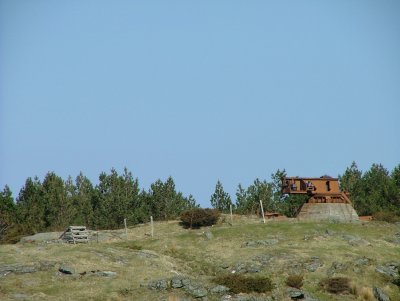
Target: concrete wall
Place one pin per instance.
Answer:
(328, 211)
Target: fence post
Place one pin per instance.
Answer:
(126, 229)
(262, 211)
(231, 215)
(152, 226)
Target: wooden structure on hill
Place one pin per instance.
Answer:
(75, 234)
(325, 202)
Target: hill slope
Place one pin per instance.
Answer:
(123, 269)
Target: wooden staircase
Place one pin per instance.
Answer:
(75, 234)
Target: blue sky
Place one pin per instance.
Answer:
(199, 90)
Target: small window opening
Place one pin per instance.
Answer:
(328, 186)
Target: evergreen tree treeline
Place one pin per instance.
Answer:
(54, 204)
(374, 191)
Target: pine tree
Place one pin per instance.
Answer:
(165, 202)
(58, 205)
(31, 207)
(83, 194)
(242, 205)
(220, 199)
(7, 211)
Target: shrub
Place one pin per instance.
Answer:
(198, 217)
(295, 281)
(242, 284)
(386, 216)
(336, 285)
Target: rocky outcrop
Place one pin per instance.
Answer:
(192, 288)
(380, 295)
(23, 269)
(313, 264)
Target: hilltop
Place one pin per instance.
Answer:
(141, 267)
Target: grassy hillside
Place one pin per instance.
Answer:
(275, 249)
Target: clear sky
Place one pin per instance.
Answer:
(199, 90)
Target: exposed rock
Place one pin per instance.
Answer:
(295, 293)
(196, 291)
(360, 242)
(390, 269)
(176, 282)
(19, 296)
(256, 243)
(395, 239)
(355, 240)
(263, 259)
(219, 289)
(329, 232)
(17, 269)
(245, 297)
(66, 270)
(337, 267)
(160, 285)
(380, 295)
(42, 237)
(363, 261)
(147, 254)
(105, 273)
(46, 265)
(246, 268)
(186, 281)
(208, 235)
(349, 237)
(313, 264)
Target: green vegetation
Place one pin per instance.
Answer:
(220, 199)
(54, 203)
(374, 191)
(198, 217)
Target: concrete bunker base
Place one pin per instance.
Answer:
(340, 212)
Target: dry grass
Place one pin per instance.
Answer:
(177, 251)
(295, 281)
(365, 294)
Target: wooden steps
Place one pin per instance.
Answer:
(75, 234)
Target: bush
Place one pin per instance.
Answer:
(336, 285)
(386, 216)
(242, 284)
(198, 217)
(295, 281)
